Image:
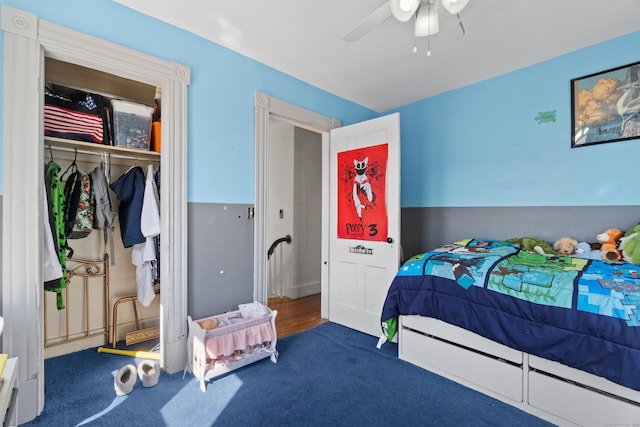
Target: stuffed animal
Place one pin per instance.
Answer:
(610, 252)
(533, 244)
(565, 246)
(586, 250)
(611, 236)
(610, 239)
(630, 245)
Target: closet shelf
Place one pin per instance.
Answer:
(92, 148)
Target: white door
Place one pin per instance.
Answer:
(364, 251)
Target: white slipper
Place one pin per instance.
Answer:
(125, 380)
(148, 372)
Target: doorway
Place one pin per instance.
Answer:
(294, 225)
(266, 109)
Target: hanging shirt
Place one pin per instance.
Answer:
(51, 268)
(55, 216)
(150, 218)
(144, 254)
(129, 189)
(155, 266)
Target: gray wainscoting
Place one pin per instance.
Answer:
(1, 204)
(426, 228)
(221, 240)
(220, 258)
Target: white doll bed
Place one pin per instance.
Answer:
(236, 342)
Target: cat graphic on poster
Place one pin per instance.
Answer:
(362, 212)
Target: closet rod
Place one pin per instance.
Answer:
(99, 153)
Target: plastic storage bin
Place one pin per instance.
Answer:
(131, 124)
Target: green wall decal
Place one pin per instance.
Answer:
(546, 116)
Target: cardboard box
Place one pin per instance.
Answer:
(131, 124)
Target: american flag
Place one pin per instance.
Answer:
(68, 123)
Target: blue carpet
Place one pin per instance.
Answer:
(327, 376)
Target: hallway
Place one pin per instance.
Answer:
(296, 315)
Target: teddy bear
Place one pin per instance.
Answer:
(630, 245)
(610, 239)
(565, 246)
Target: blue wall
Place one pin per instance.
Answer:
(221, 112)
(480, 145)
(476, 146)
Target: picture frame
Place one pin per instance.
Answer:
(605, 106)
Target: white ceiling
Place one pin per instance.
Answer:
(303, 38)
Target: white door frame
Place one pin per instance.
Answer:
(27, 41)
(265, 106)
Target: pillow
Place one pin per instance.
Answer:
(253, 310)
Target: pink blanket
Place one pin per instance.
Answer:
(237, 334)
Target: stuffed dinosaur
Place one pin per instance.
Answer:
(533, 244)
(630, 245)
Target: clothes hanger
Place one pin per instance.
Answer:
(135, 164)
(72, 166)
(106, 164)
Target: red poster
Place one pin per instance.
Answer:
(362, 182)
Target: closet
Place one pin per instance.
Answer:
(28, 44)
(101, 299)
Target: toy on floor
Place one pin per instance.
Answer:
(132, 353)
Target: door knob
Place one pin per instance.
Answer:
(389, 240)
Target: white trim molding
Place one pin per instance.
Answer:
(266, 106)
(27, 41)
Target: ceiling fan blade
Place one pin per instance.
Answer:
(378, 16)
(454, 7)
(461, 26)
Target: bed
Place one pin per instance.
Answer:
(556, 336)
(222, 343)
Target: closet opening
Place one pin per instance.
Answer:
(109, 298)
(28, 42)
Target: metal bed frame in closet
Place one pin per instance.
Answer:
(88, 270)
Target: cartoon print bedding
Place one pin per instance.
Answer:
(579, 312)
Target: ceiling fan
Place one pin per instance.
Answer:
(425, 12)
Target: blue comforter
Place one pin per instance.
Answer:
(582, 313)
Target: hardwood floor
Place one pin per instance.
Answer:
(296, 315)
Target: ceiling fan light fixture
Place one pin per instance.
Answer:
(427, 22)
(454, 6)
(403, 10)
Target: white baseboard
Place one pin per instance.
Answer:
(304, 290)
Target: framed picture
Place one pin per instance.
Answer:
(605, 107)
